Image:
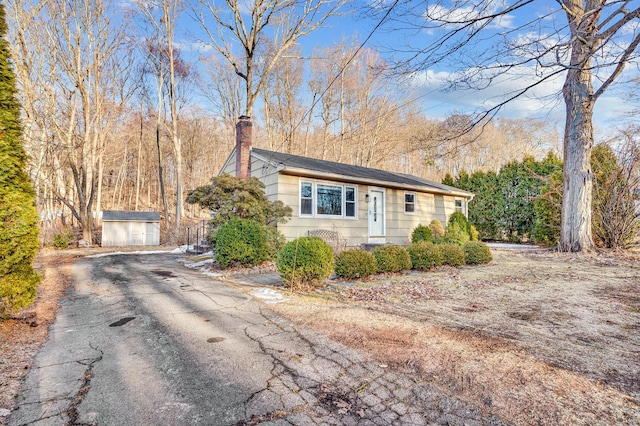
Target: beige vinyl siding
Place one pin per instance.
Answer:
(354, 230)
(399, 224)
(427, 207)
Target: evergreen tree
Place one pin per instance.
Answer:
(18, 215)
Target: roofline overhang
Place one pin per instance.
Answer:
(296, 171)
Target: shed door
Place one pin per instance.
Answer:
(137, 233)
(150, 234)
(376, 212)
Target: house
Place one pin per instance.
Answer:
(363, 205)
(127, 228)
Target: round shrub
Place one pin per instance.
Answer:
(455, 234)
(452, 254)
(477, 252)
(437, 230)
(424, 255)
(421, 233)
(355, 263)
(63, 239)
(241, 241)
(392, 258)
(306, 261)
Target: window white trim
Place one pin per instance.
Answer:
(345, 205)
(459, 206)
(304, 195)
(413, 204)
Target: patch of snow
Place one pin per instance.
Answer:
(116, 253)
(4, 412)
(512, 246)
(268, 295)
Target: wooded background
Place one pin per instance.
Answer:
(118, 116)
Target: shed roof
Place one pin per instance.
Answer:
(289, 161)
(128, 216)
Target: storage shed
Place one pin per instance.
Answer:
(126, 228)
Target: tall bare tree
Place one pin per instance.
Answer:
(588, 42)
(240, 31)
(174, 72)
(81, 84)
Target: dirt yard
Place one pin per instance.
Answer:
(534, 338)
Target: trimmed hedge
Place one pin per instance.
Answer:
(455, 234)
(355, 263)
(392, 258)
(306, 261)
(241, 241)
(452, 254)
(421, 233)
(477, 252)
(424, 255)
(436, 228)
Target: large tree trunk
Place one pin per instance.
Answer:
(575, 233)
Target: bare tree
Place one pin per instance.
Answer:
(173, 72)
(278, 23)
(223, 89)
(80, 85)
(587, 42)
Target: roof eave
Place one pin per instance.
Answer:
(296, 171)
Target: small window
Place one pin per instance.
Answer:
(329, 202)
(459, 206)
(306, 198)
(410, 202)
(350, 201)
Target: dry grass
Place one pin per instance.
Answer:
(540, 338)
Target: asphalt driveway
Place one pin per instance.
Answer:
(142, 340)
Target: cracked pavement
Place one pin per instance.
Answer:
(142, 340)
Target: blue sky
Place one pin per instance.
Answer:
(430, 85)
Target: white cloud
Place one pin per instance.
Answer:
(460, 15)
(543, 101)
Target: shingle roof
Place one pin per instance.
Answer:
(127, 216)
(331, 167)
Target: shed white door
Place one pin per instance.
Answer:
(376, 209)
(151, 234)
(137, 233)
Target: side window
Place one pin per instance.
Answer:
(459, 206)
(350, 201)
(410, 202)
(306, 198)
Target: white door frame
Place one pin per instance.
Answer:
(376, 211)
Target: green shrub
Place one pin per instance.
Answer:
(63, 239)
(455, 234)
(355, 263)
(421, 233)
(473, 233)
(452, 254)
(275, 241)
(477, 252)
(18, 216)
(392, 258)
(436, 228)
(424, 255)
(241, 241)
(306, 261)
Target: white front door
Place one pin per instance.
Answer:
(376, 212)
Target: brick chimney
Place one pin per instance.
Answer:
(243, 147)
